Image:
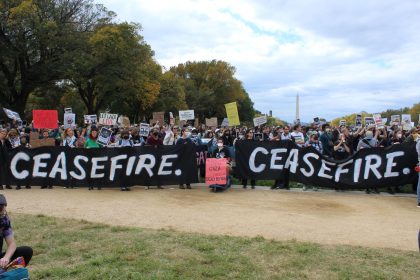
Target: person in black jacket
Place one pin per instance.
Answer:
(249, 136)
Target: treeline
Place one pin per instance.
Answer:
(73, 53)
(414, 111)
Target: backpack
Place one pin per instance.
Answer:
(15, 274)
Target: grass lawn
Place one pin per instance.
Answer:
(75, 249)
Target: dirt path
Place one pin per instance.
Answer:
(322, 217)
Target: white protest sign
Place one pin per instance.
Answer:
(406, 121)
(69, 120)
(144, 129)
(68, 110)
(260, 121)
(171, 119)
(225, 122)
(395, 120)
(186, 115)
(378, 121)
(343, 122)
(12, 114)
(384, 120)
(369, 121)
(108, 119)
(91, 119)
(104, 136)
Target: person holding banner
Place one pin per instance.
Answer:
(249, 136)
(69, 140)
(92, 144)
(155, 141)
(91, 141)
(14, 140)
(5, 145)
(171, 136)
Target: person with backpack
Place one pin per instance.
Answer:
(6, 232)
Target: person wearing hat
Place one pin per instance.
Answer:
(6, 233)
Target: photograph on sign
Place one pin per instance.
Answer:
(258, 136)
(186, 115)
(104, 136)
(358, 120)
(260, 121)
(316, 120)
(144, 129)
(378, 120)
(343, 122)
(69, 120)
(406, 121)
(68, 110)
(91, 119)
(395, 120)
(369, 121)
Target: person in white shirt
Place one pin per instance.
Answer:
(69, 140)
(298, 136)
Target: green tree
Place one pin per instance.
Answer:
(209, 85)
(36, 39)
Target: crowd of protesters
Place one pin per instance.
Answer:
(337, 143)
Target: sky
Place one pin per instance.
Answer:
(341, 57)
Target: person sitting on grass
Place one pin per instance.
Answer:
(6, 233)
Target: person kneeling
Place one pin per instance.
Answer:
(6, 232)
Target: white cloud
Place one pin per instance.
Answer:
(341, 57)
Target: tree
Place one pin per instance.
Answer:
(115, 70)
(172, 94)
(209, 85)
(36, 39)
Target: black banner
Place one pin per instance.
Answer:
(127, 166)
(375, 167)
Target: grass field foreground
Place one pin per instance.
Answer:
(74, 249)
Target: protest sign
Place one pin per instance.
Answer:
(393, 166)
(45, 119)
(232, 113)
(125, 122)
(12, 114)
(316, 120)
(258, 136)
(395, 120)
(186, 115)
(104, 136)
(260, 121)
(358, 121)
(369, 121)
(384, 121)
(144, 129)
(69, 120)
(90, 119)
(68, 110)
(171, 118)
(111, 167)
(378, 121)
(212, 122)
(216, 171)
(225, 122)
(343, 122)
(406, 121)
(108, 119)
(196, 122)
(159, 117)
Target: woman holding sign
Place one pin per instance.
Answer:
(91, 143)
